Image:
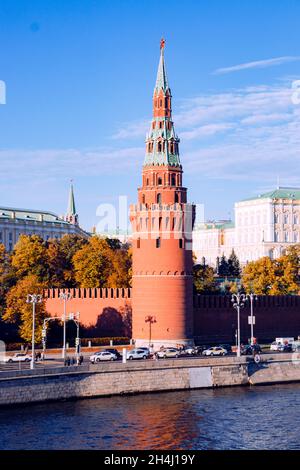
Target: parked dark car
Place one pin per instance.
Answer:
(199, 349)
(285, 348)
(114, 351)
(248, 349)
(227, 347)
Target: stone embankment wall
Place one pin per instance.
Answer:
(20, 387)
(270, 373)
(115, 379)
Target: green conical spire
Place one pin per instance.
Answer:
(161, 79)
(71, 205)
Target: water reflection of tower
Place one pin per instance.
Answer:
(162, 422)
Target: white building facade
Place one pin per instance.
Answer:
(16, 222)
(264, 226)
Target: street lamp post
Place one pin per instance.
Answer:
(76, 319)
(33, 299)
(150, 319)
(65, 296)
(251, 297)
(238, 301)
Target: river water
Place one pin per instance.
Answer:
(228, 418)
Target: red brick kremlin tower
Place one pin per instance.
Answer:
(162, 221)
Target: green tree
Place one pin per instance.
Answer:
(204, 279)
(223, 267)
(234, 268)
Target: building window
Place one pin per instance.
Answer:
(276, 237)
(10, 246)
(296, 237)
(138, 243)
(1, 237)
(147, 181)
(176, 198)
(276, 218)
(10, 237)
(159, 181)
(158, 243)
(158, 198)
(159, 147)
(173, 180)
(286, 219)
(159, 223)
(296, 219)
(180, 243)
(286, 236)
(143, 199)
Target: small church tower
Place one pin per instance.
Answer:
(162, 222)
(71, 215)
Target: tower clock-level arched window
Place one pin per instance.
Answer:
(173, 180)
(158, 198)
(159, 181)
(176, 198)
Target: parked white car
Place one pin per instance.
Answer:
(137, 354)
(215, 351)
(18, 357)
(167, 352)
(275, 346)
(103, 356)
(146, 350)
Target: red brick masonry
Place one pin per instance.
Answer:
(109, 310)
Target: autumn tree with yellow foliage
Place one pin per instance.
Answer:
(20, 312)
(102, 264)
(271, 277)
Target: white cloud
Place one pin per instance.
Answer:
(132, 130)
(206, 131)
(248, 133)
(53, 163)
(257, 64)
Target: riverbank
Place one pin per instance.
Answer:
(97, 380)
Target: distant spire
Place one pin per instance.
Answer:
(71, 215)
(71, 205)
(161, 79)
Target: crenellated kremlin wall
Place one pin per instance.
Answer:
(108, 311)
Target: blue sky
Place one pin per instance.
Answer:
(79, 79)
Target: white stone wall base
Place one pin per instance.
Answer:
(156, 344)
